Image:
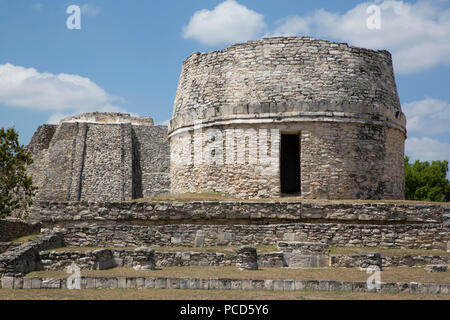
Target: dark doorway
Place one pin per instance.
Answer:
(290, 163)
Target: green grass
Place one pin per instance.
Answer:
(25, 238)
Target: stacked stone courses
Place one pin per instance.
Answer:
(341, 100)
(385, 225)
(100, 157)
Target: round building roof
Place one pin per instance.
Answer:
(287, 77)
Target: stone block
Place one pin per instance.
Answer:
(121, 283)
(413, 287)
(268, 285)
(335, 285)
(312, 285)
(389, 287)
(8, 283)
(194, 283)
(131, 283)
(289, 285)
(433, 288)
(140, 282)
(204, 284)
(173, 283)
(106, 283)
(300, 285)
(370, 259)
(436, 268)
(51, 284)
(403, 287)
(278, 285)
(258, 284)
(149, 283)
(87, 283)
(184, 283)
(247, 258)
(161, 283)
(347, 286)
(247, 284)
(324, 285)
(18, 283)
(27, 282)
(214, 284)
(359, 287)
(224, 284)
(444, 288)
(199, 238)
(236, 284)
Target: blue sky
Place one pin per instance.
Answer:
(127, 55)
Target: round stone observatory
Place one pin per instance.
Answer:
(288, 116)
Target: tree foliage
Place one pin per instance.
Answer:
(425, 181)
(16, 187)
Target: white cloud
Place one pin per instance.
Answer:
(426, 149)
(90, 10)
(229, 22)
(428, 116)
(417, 34)
(64, 94)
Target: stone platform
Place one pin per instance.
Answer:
(212, 223)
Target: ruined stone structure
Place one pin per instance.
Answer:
(288, 115)
(99, 157)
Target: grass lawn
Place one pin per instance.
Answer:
(181, 294)
(398, 274)
(25, 238)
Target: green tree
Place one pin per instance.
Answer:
(16, 187)
(425, 181)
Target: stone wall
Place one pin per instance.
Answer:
(281, 71)
(100, 157)
(390, 225)
(233, 105)
(25, 258)
(337, 160)
(12, 228)
(223, 284)
(403, 260)
(88, 260)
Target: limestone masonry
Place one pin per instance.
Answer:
(288, 115)
(317, 120)
(99, 157)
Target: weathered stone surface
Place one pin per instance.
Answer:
(401, 260)
(25, 258)
(437, 268)
(370, 260)
(304, 254)
(225, 284)
(100, 156)
(247, 258)
(51, 284)
(349, 119)
(13, 228)
(144, 259)
(385, 225)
